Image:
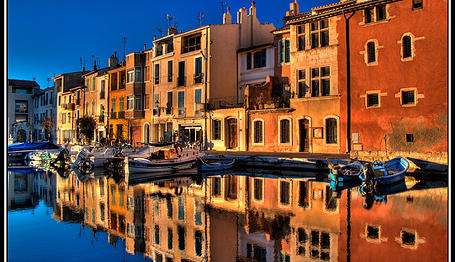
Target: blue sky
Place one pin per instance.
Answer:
(48, 37)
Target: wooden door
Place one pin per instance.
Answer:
(304, 125)
(232, 123)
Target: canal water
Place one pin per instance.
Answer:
(234, 216)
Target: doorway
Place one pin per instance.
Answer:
(232, 133)
(304, 125)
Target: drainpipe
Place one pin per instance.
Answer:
(348, 83)
(205, 86)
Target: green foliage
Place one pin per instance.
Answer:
(86, 126)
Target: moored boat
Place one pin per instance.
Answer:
(18, 154)
(347, 174)
(384, 173)
(214, 166)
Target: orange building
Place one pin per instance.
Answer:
(117, 125)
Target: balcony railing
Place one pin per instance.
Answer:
(113, 115)
(181, 81)
(198, 78)
(181, 112)
(168, 110)
(121, 115)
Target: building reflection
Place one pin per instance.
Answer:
(255, 218)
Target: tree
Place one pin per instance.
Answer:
(48, 125)
(86, 126)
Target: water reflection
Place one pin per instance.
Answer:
(245, 217)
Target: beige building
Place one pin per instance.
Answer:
(185, 72)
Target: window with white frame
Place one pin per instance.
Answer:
(372, 99)
(285, 131)
(320, 81)
(371, 52)
(301, 37)
(301, 79)
(406, 47)
(375, 14)
(216, 135)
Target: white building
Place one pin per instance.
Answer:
(44, 103)
(20, 110)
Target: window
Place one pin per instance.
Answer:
(320, 245)
(371, 52)
(169, 103)
(417, 4)
(121, 194)
(147, 73)
(103, 87)
(181, 209)
(284, 46)
(158, 257)
(169, 207)
(303, 194)
(181, 237)
(248, 61)
(320, 81)
(21, 106)
(169, 71)
(301, 38)
(157, 234)
(157, 74)
(331, 130)
(372, 232)
(257, 183)
(216, 135)
(258, 131)
(93, 84)
(181, 74)
(406, 46)
(198, 70)
(130, 76)
(375, 14)
(198, 243)
(330, 202)
(260, 59)
(408, 97)
(21, 91)
(197, 212)
(284, 192)
(197, 100)
(87, 83)
(93, 107)
(216, 186)
(408, 238)
(138, 102)
(181, 102)
(409, 138)
(319, 33)
(138, 75)
(86, 108)
(113, 195)
(170, 238)
(285, 131)
(380, 13)
(191, 43)
(121, 104)
(373, 100)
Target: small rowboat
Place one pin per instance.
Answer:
(388, 172)
(214, 166)
(347, 174)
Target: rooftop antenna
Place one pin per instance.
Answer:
(93, 56)
(201, 15)
(160, 32)
(80, 59)
(222, 6)
(48, 79)
(169, 18)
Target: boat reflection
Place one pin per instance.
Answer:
(235, 216)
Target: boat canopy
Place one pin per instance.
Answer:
(32, 146)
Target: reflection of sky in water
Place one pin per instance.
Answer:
(33, 235)
(272, 209)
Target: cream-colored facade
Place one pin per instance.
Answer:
(185, 73)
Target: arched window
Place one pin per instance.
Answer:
(331, 131)
(371, 52)
(285, 131)
(406, 46)
(258, 131)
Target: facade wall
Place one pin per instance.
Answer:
(385, 127)
(234, 117)
(117, 91)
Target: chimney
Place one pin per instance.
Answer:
(94, 65)
(293, 9)
(240, 15)
(253, 9)
(227, 18)
(113, 60)
(172, 30)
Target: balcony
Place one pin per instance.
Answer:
(113, 115)
(121, 115)
(198, 78)
(156, 111)
(68, 106)
(181, 81)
